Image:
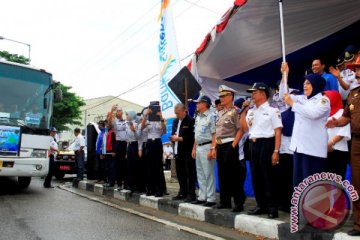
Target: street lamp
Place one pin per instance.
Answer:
(29, 46)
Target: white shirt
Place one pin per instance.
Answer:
(263, 121)
(349, 78)
(309, 133)
(340, 131)
(53, 145)
(120, 129)
(177, 133)
(168, 151)
(78, 143)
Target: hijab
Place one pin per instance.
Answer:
(318, 84)
(335, 101)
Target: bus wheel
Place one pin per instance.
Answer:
(24, 182)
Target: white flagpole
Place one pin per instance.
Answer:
(285, 74)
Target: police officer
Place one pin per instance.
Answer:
(142, 142)
(154, 154)
(78, 147)
(225, 148)
(119, 125)
(204, 136)
(352, 114)
(264, 123)
(53, 150)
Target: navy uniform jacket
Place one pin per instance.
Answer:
(187, 133)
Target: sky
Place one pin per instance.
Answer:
(106, 48)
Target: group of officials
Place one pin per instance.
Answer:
(288, 137)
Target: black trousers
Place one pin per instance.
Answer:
(110, 162)
(155, 178)
(337, 162)
(50, 174)
(186, 174)
(263, 172)
(232, 174)
(101, 168)
(121, 163)
(133, 162)
(283, 179)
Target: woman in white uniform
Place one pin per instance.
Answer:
(309, 138)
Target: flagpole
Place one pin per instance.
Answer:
(285, 74)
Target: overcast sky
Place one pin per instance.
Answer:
(105, 47)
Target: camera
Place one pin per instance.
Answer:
(155, 109)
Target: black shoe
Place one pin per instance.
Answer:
(149, 193)
(190, 199)
(178, 197)
(198, 202)
(166, 193)
(238, 208)
(209, 204)
(48, 186)
(273, 214)
(222, 206)
(353, 232)
(257, 211)
(158, 195)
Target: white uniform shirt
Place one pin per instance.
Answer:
(53, 145)
(78, 143)
(309, 133)
(349, 77)
(263, 121)
(168, 151)
(120, 129)
(340, 131)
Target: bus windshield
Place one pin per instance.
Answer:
(22, 92)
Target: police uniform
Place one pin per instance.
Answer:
(155, 179)
(231, 170)
(142, 142)
(262, 122)
(119, 126)
(78, 146)
(53, 148)
(132, 152)
(352, 112)
(204, 129)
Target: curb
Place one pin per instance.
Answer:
(268, 228)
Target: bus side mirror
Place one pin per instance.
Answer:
(45, 103)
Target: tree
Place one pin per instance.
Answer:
(14, 57)
(68, 110)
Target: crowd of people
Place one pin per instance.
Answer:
(286, 136)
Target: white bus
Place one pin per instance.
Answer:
(26, 100)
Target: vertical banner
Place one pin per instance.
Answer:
(169, 64)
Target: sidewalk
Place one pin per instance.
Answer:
(257, 225)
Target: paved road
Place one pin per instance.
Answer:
(38, 213)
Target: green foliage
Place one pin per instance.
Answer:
(67, 111)
(14, 57)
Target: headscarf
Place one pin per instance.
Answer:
(335, 101)
(318, 84)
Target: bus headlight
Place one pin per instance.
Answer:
(38, 153)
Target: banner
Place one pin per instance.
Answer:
(169, 64)
(169, 60)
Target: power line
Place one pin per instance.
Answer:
(141, 84)
(202, 7)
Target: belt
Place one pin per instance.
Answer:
(254, 140)
(154, 139)
(204, 143)
(224, 140)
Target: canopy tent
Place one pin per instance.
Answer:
(245, 46)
